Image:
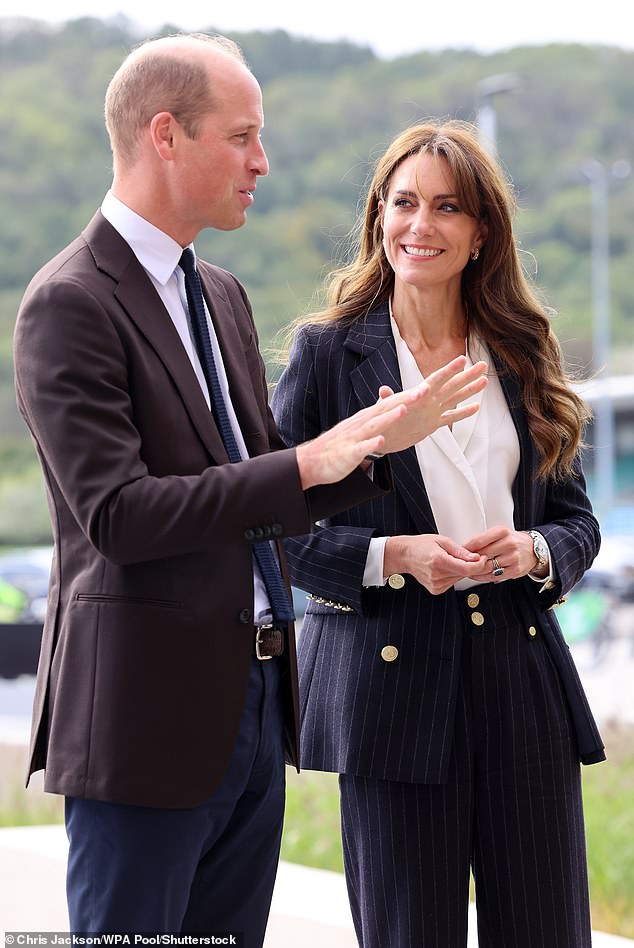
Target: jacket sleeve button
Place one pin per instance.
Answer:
(244, 616)
(249, 534)
(277, 529)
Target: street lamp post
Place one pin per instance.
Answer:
(486, 90)
(599, 179)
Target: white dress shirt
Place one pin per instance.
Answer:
(468, 471)
(159, 256)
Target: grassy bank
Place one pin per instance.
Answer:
(609, 806)
(311, 832)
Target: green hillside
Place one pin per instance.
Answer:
(330, 109)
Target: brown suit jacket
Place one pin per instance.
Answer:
(149, 633)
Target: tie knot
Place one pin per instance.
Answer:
(187, 262)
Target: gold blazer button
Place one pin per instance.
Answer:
(473, 600)
(389, 653)
(396, 581)
(532, 631)
(477, 618)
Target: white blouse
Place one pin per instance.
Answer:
(468, 471)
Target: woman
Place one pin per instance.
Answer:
(442, 692)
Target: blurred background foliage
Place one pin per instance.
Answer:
(331, 108)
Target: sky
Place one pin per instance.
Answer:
(391, 30)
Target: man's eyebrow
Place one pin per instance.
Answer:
(246, 126)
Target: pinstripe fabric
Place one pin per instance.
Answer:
(511, 808)
(408, 730)
(397, 719)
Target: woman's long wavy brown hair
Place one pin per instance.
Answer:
(503, 308)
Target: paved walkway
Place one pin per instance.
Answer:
(310, 907)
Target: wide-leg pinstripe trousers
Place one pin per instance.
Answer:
(511, 808)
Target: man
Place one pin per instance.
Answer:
(162, 699)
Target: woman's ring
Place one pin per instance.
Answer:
(497, 569)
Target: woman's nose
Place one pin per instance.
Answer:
(423, 222)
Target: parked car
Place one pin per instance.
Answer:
(24, 575)
(613, 568)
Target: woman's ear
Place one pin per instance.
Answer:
(483, 233)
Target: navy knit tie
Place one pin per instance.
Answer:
(279, 599)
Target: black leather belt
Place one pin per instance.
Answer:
(269, 642)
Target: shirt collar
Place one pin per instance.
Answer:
(156, 251)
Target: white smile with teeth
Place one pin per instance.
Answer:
(421, 252)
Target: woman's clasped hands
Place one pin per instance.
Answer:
(437, 562)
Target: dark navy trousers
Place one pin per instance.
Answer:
(203, 870)
(511, 809)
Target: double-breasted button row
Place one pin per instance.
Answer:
(473, 600)
(254, 534)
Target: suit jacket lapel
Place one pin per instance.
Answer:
(137, 295)
(378, 365)
(146, 310)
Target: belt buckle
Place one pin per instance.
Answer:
(258, 642)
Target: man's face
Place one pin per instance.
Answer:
(216, 172)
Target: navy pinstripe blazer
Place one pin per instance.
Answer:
(394, 720)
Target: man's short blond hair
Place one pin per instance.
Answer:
(159, 76)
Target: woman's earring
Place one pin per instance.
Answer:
(475, 253)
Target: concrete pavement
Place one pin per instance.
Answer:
(310, 906)
(309, 910)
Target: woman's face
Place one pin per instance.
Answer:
(427, 236)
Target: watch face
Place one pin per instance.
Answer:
(540, 548)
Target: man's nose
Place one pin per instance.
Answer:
(259, 161)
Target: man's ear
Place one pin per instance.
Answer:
(163, 133)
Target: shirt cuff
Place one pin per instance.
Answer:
(373, 573)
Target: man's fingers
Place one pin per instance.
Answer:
(378, 413)
(452, 415)
(438, 378)
(387, 400)
(452, 377)
(464, 391)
